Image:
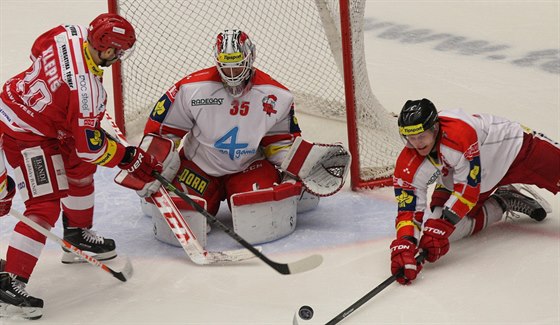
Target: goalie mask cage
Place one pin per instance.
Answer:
(313, 47)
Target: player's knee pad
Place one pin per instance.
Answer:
(195, 220)
(267, 214)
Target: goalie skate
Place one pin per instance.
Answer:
(15, 302)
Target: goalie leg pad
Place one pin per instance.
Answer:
(265, 215)
(307, 202)
(195, 220)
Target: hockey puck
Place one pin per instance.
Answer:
(305, 312)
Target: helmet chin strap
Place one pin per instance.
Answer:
(105, 62)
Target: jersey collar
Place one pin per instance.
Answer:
(93, 67)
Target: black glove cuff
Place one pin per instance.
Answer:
(128, 155)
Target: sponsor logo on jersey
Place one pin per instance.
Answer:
(193, 181)
(472, 151)
(108, 154)
(73, 30)
(65, 60)
(434, 177)
(406, 199)
(160, 109)
(95, 139)
(84, 99)
(268, 104)
(207, 101)
(40, 170)
(411, 129)
(89, 122)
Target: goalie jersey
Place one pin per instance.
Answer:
(224, 135)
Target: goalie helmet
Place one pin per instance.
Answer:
(417, 116)
(234, 54)
(111, 31)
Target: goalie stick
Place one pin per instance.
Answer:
(299, 266)
(123, 275)
(180, 227)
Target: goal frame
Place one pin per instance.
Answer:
(356, 181)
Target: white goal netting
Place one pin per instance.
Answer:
(298, 43)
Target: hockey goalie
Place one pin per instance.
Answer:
(238, 141)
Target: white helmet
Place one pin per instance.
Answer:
(234, 54)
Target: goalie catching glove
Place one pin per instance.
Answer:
(322, 168)
(162, 149)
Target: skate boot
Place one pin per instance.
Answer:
(15, 302)
(513, 200)
(89, 242)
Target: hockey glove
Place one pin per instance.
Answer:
(403, 260)
(6, 201)
(435, 238)
(140, 164)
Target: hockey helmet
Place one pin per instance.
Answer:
(111, 31)
(417, 116)
(234, 54)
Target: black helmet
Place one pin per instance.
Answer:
(417, 116)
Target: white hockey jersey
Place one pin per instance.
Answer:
(474, 153)
(224, 135)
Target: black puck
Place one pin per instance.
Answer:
(305, 312)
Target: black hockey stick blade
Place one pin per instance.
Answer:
(419, 259)
(299, 266)
(126, 272)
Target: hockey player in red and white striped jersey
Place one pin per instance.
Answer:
(50, 119)
(474, 160)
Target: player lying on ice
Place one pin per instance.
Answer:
(474, 160)
(237, 127)
(51, 115)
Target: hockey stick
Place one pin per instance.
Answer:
(180, 227)
(302, 265)
(185, 235)
(419, 259)
(124, 275)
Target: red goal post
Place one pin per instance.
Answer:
(314, 47)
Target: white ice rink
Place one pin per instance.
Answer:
(500, 57)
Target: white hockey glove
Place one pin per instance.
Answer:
(163, 150)
(322, 168)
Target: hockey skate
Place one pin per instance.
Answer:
(89, 242)
(15, 302)
(512, 200)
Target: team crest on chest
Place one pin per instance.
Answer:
(269, 102)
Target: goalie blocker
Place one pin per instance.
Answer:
(322, 168)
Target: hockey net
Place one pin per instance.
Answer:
(299, 43)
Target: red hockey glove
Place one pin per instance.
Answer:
(140, 164)
(435, 238)
(6, 202)
(403, 253)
